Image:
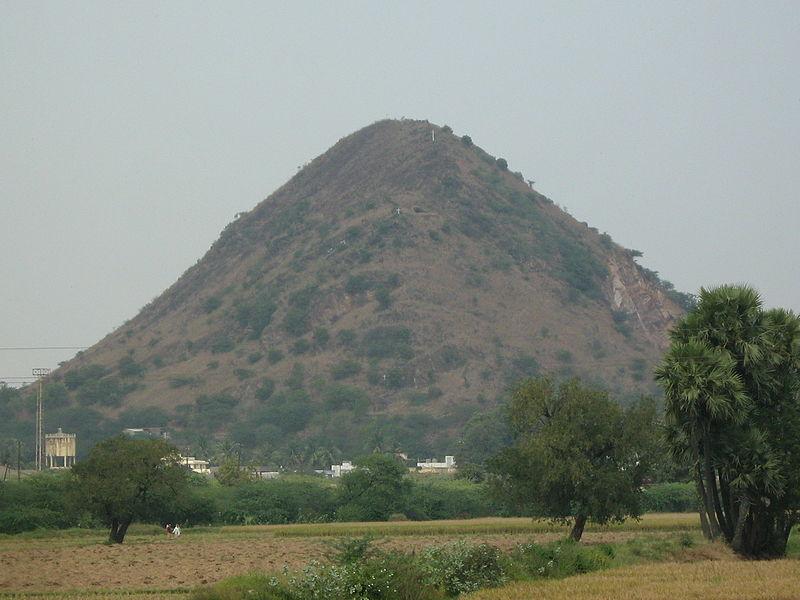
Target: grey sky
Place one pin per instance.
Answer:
(132, 132)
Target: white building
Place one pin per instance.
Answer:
(431, 466)
(339, 470)
(195, 464)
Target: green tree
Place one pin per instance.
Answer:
(577, 455)
(731, 382)
(123, 480)
(231, 472)
(377, 488)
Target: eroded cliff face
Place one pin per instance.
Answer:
(642, 300)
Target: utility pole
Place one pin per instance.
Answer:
(41, 373)
(19, 454)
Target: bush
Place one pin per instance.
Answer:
(266, 389)
(439, 498)
(221, 344)
(256, 313)
(388, 342)
(274, 356)
(321, 337)
(288, 500)
(128, 367)
(243, 374)
(670, 497)
(344, 396)
(345, 369)
(74, 379)
(502, 163)
(384, 298)
(466, 140)
(561, 559)
(211, 304)
(346, 338)
(459, 568)
(301, 346)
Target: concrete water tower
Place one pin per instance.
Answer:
(59, 449)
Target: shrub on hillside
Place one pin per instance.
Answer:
(345, 369)
(388, 342)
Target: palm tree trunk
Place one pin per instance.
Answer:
(744, 511)
(703, 516)
(727, 528)
(705, 492)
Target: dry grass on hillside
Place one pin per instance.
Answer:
(720, 580)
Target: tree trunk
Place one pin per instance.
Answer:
(577, 528)
(707, 509)
(722, 519)
(744, 511)
(707, 480)
(706, 528)
(731, 504)
(119, 527)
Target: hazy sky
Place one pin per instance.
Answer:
(132, 132)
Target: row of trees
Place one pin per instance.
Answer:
(731, 381)
(732, 396)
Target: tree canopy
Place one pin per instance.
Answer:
(122, 480)
(731, 381)
(374, 490)
(576, 455)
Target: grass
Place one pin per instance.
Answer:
(721, 580)
(493, 525)
(139, 533)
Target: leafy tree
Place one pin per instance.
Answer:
(484, 435)
(123, 480)
(731, 381)
(231, 473)
(377, 488)
(576, 454)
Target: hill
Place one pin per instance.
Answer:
(391, 290)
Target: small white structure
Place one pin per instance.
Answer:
(431, 466)
(266, 473)
(195, 464)
(60, 449)
(339, 470)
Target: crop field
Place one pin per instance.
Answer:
(720, 580)
(149, 566)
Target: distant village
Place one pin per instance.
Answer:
(60, 453)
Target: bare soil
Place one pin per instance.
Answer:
(157, 564)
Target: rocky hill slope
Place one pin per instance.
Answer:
(389, 291)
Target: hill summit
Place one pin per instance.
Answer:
(391, 290)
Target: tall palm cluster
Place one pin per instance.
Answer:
(732, 399)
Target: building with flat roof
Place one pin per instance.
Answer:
(431, 466)
(59, 449)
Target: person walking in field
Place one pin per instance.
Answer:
(169, 529)
(176, 531)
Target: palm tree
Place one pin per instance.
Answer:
(732, 385)
(703, 393)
